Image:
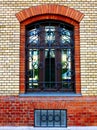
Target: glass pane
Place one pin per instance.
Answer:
(63, 118)
(49, 68)
(57, 118)
(37, 118)
(33, 36)
(66, 67)
(50, 118)
(33, 68)
(50, 35)
(43, 118)
(65, 36)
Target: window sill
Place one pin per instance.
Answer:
(50, 94)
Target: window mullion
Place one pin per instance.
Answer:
(42, 58)
(58, 59)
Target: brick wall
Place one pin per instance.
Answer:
(10, 41)
(16, 111)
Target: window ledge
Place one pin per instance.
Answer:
(50, 94)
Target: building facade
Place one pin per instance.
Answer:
(48, 63)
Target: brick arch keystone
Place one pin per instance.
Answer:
(49, 9)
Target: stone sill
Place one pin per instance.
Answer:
(50, 94)
(35, 128)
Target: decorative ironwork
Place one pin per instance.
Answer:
(33, 36)
(50, 118)
(50, 34)
(50, 57)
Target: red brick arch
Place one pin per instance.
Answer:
(49, 9)
(47, 12)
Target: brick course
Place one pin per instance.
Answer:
(54, 9)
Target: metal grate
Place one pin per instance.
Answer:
(50, 118)
(50, 57)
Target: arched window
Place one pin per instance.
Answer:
(50, 49)
(49, 56)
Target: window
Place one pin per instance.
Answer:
(50, 118)
(50, 50)
(50, 56)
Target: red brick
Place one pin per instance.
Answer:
(16, 111)
(50, 9)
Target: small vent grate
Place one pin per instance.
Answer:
(50, 118)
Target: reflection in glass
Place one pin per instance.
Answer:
(33, 68)
(66, 67)
(65, 36)
(50, 35)
(33, 36)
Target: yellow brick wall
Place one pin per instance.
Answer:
(10, 40)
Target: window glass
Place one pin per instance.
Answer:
(33, 68)
(49, 35)
(49, 54)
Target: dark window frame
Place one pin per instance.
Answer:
(58, 54)
(76, 49)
